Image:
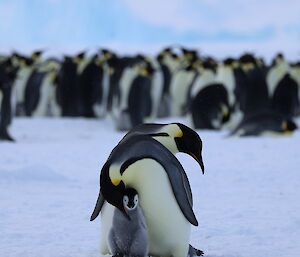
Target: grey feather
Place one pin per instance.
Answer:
(129, 237)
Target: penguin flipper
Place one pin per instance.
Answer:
(181, 188)
(98, 206)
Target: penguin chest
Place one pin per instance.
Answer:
(167, 226)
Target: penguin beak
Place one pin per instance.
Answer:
(190, 143)
(199, 160)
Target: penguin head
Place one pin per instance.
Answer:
(190, 143)
(176, 137)
(112, 188)
(36, 55)
(288, 126)
(130, 199)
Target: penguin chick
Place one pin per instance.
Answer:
(129, 234)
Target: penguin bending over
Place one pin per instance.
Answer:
(128, 234)
(264, 123)
(172, 137)
(143, 163)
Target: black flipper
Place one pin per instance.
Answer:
(98, 206)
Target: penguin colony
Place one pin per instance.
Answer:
(237, 94)
(143, 165)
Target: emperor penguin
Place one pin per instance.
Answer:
(27, 66)
(253, 88)
(7, 76)
(264, 123)
(91, 87)
(46, 104)
(279, 68)
(128, 235)
(67, 93)
(135, 93)
(209, 108)
(179, 89)
(169, 64)
(143, 163)
(175, 138)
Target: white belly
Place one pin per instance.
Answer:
(168, 229)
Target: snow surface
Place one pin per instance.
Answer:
(247, 203)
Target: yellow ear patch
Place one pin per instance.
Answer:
(284, 126)
(179, 134)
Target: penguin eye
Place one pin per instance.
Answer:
(136, 199)
(126, 199)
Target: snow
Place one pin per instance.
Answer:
(247, 203)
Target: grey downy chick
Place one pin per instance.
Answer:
(128, 236)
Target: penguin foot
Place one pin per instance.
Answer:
(118, 255)
(194, 252)
(5, 136)
(199, 252)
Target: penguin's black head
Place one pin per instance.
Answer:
(130, 199)
(81, 55)
(36, 54)
(190, 143)
(112, 192)
(289, 126)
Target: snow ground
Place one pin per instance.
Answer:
(247, 203)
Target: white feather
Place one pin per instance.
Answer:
(179, 90)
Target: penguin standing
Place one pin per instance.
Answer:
(251, 88)
(128, 235)
(295, 73)
(172, 137)
(136, 102)
(285, 99)
(7, 76)
(90, 86)
(156, 90)
(143, 163)
(179, 89)
(169, 64)
(67, 92)
(45, 92)
(283, 88)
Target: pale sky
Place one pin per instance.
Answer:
(215, 26)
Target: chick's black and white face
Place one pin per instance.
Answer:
(130, 201)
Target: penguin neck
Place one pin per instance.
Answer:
(169, 143)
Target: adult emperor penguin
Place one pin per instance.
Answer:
(144, 164)
(264, 123)
(7, 76)
(209, 108)
(129, 236)
(179, 88)
(176, 138)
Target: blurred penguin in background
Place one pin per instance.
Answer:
(91, 87)
(26, 66)
(209, 107)
(7, 75)
(68, 94)
(265, 123)
(252, 87)
(283, 88)
(136, 102)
